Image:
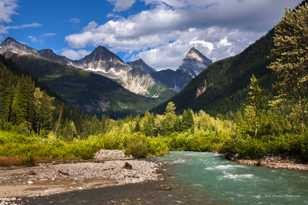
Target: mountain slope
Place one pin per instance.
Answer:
(176, 80)
(141, 66)
(90, 92)
(222, 87)
(50, 55)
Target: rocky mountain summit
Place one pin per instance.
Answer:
(106, 63)
(194, 63)
(10, 45)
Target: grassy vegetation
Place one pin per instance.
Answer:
(20, 148)
(155, 135)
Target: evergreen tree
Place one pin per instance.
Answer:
(187, 120)
(254, 107)
(255, 94)
(6, 104)
(23, 101)
(290, 60)
(43, 111)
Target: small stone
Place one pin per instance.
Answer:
(127, 166)
(30, 182)
(63, 173)
(31, 172)
(165, 187)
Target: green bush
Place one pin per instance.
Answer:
(157, 147)
(138, 146)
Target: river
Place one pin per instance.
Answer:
(198, 179)
(209, 177)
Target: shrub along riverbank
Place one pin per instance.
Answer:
(155, 135)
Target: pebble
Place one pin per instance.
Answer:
(9, 201)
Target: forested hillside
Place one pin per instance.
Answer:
(27, 107)
(89, 92)
(24, 104)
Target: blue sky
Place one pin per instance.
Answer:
(159, 31)
(57, 19)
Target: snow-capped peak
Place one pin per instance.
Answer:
(13, 46)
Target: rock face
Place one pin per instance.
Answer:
(194, 63)
(106, 63)
(201, 90)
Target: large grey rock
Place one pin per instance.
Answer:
(107, 155)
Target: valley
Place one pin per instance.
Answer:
(158, 102)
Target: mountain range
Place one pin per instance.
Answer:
(223, 86)
(100, 82)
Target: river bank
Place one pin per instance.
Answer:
(192, 178)
(279, 164)
(162, 190)
(110, 168)
(274, 163)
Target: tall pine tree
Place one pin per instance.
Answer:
(290, 61)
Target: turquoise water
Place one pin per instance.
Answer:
(209, 177)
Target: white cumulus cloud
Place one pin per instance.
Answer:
(75, 54)
(121, 5)
(7, 10)
(163, 33)
(22, 26)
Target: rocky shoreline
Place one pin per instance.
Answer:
(274, 163)
(109, 168)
